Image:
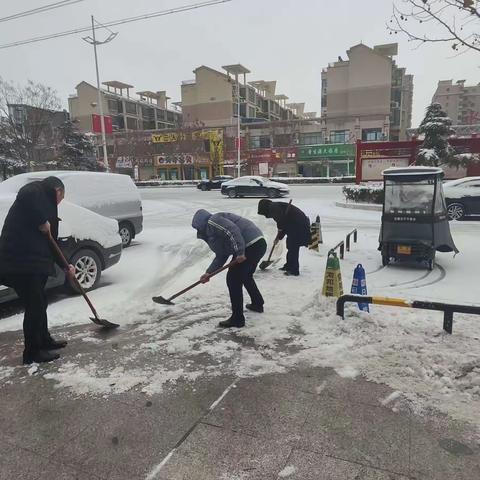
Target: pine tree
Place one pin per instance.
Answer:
(76, 151)
(435, 150)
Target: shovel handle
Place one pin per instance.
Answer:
(66, 265)
(198, 282)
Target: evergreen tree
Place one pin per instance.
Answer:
(76, 151)
(435, 150)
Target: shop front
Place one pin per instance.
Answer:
(182, 166)
(269, 162)
(328, 160)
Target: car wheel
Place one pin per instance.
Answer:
(126, 233)
(88, 269)
(232, 193)
(203, 187)
(385, 260)
(456, 211)
(272, 193)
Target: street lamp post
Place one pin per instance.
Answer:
(93, 41)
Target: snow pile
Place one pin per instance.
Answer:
(367, 193)
(287, 471)
(83, 224)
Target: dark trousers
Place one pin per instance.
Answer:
(31, 291)
(293, 250)
(241, 275)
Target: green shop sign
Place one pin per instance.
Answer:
(332, 150)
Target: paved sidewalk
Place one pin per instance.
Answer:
(306, 424)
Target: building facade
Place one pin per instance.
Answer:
(123, 113)
(212, 99)
(459, 101)
(366, 97)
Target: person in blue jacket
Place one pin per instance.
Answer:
(228, 235)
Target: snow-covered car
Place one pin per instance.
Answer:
(254, 186)
(108, 194)
(462, 197)
(213, 184)
(90, 242)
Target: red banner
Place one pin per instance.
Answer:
(97, 124)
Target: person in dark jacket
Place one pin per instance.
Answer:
(291, 222)
(228, 235)
(26, 261)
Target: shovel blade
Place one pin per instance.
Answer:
(104, 323)
(162, 301)
(265, 264)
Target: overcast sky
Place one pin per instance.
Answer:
(285, 40)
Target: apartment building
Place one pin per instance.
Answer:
(148, 111)
(213, 99)
(460, 102)
(367, 96)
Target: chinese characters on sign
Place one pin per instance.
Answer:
(327, 151)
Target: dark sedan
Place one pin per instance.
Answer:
(214, 184)
(462, 197)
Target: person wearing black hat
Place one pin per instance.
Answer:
(26, 261)
(291, 222)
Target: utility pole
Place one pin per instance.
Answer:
(93, 41)
(238, 125)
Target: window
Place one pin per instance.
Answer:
(132, 123)
(252, 98)
(315, 138)
(114, 106)
(161, 114)
(339, 136)
(251, 112)
(131, 108)
(324, 101)
(170, 117)
(243, 110)
(372, 134)
(415, 196)
(148, 113)
(261, 141)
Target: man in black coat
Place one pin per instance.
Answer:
(26, 261)
(293, 223)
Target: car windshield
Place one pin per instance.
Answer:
(414, 197)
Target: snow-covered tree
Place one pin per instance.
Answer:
(436, 127)
(76, 151)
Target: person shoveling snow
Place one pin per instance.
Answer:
(229, 234)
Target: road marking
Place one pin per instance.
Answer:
(156, 470)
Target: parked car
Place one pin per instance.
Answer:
(90, 242)
(108, 194)
(215, 183)
(462, 197)
(254, 186)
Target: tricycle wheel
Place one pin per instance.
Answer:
(385, 260)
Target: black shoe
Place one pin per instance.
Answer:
(231, 322)
(254, 308)
(291, 274)
(283, 269)
(52, 344)
(40, 356)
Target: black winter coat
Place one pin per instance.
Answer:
(23, 248)
(294, 224)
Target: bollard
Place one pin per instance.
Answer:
(314, 240)
(359, 286)
(332, 283)
(319, 230)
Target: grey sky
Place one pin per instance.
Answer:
(285, 40)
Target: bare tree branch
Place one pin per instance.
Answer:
(438, 21)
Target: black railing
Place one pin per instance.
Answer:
(354, 233)
(447, 309)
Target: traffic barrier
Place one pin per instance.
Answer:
(447, 309)
(314, 237)
(319, 229)
(341, 247)
(354, 233)
(332, 283)
(359, 286)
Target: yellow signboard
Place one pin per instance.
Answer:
(167, 137)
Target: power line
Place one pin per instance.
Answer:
(113, 23)
(44, 8)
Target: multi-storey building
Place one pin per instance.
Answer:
(367, 96)
(150, 111)
(212, 99)
(460, 102)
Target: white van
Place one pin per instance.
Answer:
(108, 194)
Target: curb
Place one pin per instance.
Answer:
(360, 206)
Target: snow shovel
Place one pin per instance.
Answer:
(95, 319)
(266, 263)
(168, 301)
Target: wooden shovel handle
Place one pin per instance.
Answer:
(198, 282)
(66, 265)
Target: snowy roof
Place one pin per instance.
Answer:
(413, 171)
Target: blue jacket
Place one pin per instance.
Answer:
(226, 234)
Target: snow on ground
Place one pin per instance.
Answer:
(406, 349)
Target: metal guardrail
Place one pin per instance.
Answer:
(447, 309)
(341, 246)
(354, 233)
